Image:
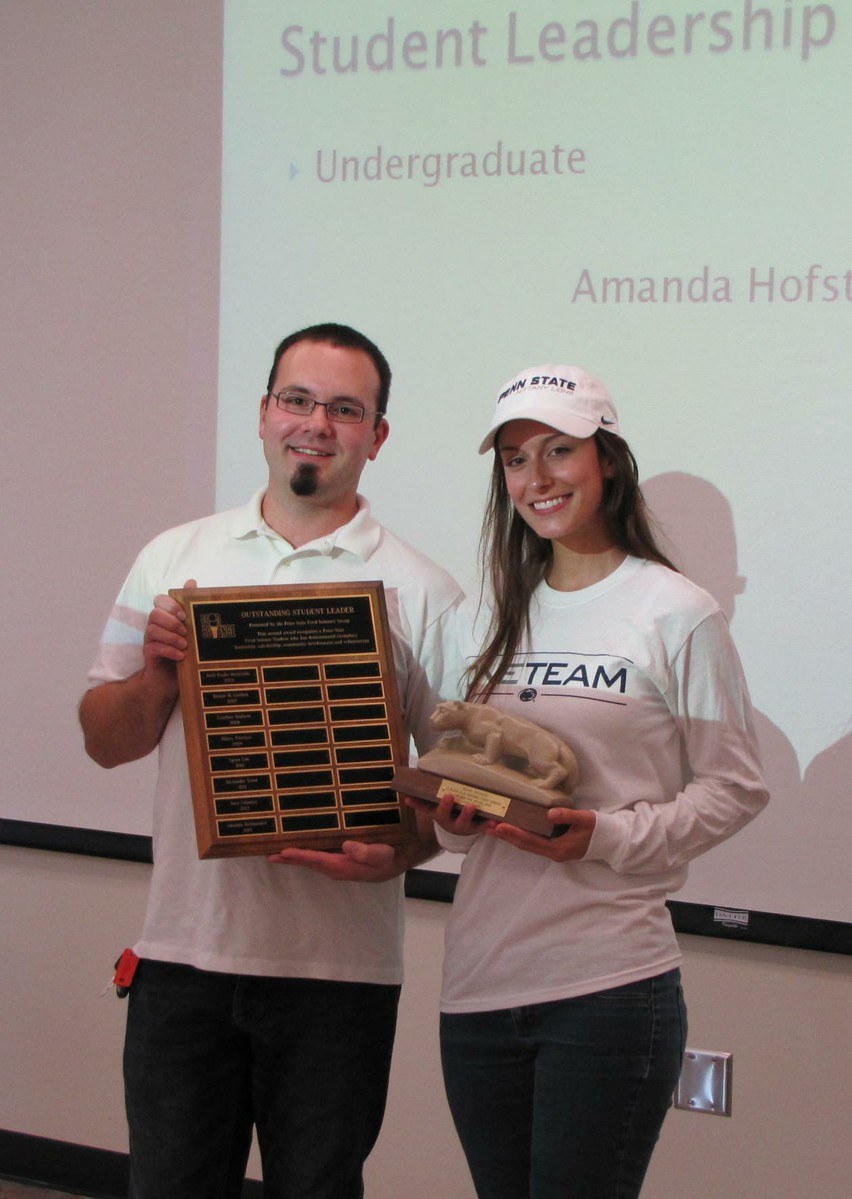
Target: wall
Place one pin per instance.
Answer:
(783, 1013)
(110, 115)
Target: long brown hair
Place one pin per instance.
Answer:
(514, 559)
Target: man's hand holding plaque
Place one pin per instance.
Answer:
(508, 768)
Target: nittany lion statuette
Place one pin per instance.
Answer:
(491, 737)
(506, 767)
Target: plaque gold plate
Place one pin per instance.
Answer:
(292, 718)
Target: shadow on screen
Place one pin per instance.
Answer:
(767, 865)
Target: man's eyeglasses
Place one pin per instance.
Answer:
(344, 412)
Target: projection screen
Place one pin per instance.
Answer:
(656, 192)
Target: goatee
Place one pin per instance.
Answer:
(304, 481)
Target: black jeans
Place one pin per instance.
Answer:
(208, 1055)
(565, 1100)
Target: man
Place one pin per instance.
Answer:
(267, 988)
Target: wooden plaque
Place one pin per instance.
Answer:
(292, 718)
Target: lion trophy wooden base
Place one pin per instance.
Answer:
(508, 768)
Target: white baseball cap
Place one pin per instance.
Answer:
(565, 397)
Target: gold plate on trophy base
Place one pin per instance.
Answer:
(525, 813)
(292, 718)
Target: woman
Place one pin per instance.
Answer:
(563, 1025)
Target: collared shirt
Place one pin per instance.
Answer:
(247, 915)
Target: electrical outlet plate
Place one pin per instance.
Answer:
(705, 1082)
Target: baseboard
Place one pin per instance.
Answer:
(98, 1173)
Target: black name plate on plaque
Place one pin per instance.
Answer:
(292, 718)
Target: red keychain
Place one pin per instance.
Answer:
(125, 968)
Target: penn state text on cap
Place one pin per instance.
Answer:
(567, 398)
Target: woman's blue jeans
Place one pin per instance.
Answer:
(209, 1055)
(565, 1100)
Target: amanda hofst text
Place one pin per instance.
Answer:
(814, 283)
